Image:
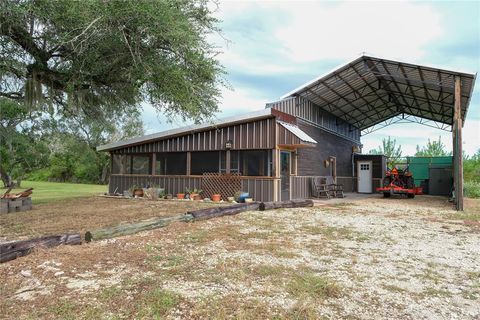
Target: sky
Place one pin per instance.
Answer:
(275, 46)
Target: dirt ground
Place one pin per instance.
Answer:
(84, 214)
(373, 258)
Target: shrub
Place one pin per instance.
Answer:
(39, 175)
(472, 189)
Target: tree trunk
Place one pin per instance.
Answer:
(223, 211)
(286, 204)
(6, 178)
(132, 228)
(12, 250)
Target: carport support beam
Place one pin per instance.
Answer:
(457, 146)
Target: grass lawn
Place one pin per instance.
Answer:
(44, 192)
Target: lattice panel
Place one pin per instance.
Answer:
(224, 184)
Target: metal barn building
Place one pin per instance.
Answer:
(312, 131)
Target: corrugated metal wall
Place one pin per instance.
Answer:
(261, 189)
(258, 134)
(310, 112)
(302, 185)
(285, 137)
(311, 160)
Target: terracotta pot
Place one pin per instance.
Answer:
(180, 195)
(195, 196)
(138, 193)
(216, 197)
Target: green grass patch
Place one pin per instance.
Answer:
(468, 216)
(44, 192)
(157, 303)
(308, 284)
(64, 310)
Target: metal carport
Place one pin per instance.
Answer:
(371, 93)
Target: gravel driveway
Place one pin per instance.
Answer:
(373, 258)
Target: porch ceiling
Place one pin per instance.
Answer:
(369, 90)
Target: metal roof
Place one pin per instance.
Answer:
(256, 115)
(369, 91)
(297, 132)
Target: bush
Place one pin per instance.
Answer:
(472, 189)
(39, 175)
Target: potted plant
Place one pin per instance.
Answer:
(195, 193)
(216, 197)
(180, 195)
(136, 191)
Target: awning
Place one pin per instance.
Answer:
(369, 91)
(297, 132)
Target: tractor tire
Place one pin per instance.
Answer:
(386, 195)
(411, 195)
(386, 181)
(410, 183)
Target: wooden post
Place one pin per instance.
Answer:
(154, 163)
(189, 163)
(333, 166)
(457, 146)
(227, 162)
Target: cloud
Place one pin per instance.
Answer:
(319, 30)
(276, 46)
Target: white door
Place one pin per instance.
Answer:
(364, 174)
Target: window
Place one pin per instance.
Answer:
(131, 164)
(201, 162)
(254, 163)
(141, 164)
(121, 164)
(364, 166)
(171, 163)
(234, 164)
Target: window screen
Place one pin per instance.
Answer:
(171, 163)
(234, 164)
(140, 164)
(254, 163)
(121, 164)
(204, 162)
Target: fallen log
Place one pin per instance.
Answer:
(132, 228)
(209, 213)
(298, 203)
(12, 250)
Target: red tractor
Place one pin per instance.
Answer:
(398, 181)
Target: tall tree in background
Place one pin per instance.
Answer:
(81, 69)
(98, 56)
(433, 149)
(21, 149)
(390, 149)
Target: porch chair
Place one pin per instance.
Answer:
(320, 187)
(335, 190)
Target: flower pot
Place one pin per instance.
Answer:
(195, 196)
(138, 193)
(216, 197)
(180, 195)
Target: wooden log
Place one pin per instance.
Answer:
(7, 192)
(12, 250)
(296, 203)
(132, 228)
(223, 211)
